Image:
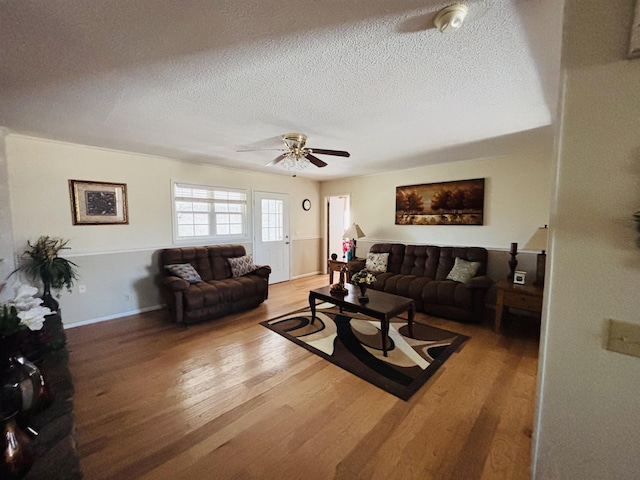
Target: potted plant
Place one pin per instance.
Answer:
(42, 262)
(363, 279)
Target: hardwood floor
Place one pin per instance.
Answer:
(232, 399)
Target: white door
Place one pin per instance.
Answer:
(272, 245)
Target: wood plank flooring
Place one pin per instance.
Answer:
(231, 399)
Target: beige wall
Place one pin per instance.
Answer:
(517, 199)
(589, 408)
(117, 261)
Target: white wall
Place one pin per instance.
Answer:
(6, 236)
(517, 200)
(117, 261)
(589, 398)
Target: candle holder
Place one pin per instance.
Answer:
(513, 263)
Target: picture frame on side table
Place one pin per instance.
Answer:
(519, 277)
(98, 203)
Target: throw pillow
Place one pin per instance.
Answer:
(463, 270)
(185, 271)
(241, 265)
(377, 262)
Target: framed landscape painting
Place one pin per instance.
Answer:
(98, 203)
(445, 203)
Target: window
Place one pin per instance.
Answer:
(208, 213)
(272, 220)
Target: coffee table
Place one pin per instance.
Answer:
(381, 306)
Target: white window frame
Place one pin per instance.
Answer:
(212, 238)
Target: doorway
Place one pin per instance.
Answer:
(272, 244)
(338, 219)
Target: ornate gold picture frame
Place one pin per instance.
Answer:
(98, 203)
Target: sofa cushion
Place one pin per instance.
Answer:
(396, 254)
(242, 265)
(377, 262)
(184, 271)
(463, 270)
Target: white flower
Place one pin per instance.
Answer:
(33, 318)
(30, 311)
(24, 291)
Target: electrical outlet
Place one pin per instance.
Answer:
(82, 289)
(624, 338)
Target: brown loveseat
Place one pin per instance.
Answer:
(420, 271)
(219, 292)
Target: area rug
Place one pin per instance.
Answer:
(353, 342)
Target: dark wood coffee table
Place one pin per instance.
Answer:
(381, 306)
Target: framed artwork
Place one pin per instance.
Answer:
(446, 203)
(98, 203)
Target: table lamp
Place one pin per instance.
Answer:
(539, 242)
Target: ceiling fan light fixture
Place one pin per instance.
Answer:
(294, 141)
(292, 162)
(296, 156)
(450, 18)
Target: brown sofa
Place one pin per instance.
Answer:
(219, 293)
(419, 272)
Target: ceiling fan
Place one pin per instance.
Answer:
(297, 155)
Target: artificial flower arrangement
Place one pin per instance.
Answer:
(22, 312)
(363, 278)
(347, 246)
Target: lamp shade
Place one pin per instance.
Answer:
(354, 231)
(538, 241)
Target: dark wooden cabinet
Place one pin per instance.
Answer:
(54, 448)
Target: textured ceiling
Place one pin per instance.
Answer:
(198, 80)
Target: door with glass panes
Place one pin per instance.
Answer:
(272, 244)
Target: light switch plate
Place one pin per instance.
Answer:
(624, 337)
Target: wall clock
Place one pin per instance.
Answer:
(306, 204)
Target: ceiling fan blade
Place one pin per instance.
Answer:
(315, 160)
(276, 160)
(262, 150)
(337, 153)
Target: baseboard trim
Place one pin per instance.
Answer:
(113, 317)
(317, 272)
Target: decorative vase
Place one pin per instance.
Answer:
(20, 380)
(17, 458)
(10, 398)
(20, 373)
(47, 298)
(16, 454)
(363, 293)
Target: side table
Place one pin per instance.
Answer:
(524, 297)
(336, 266)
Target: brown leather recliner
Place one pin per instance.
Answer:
(420, 271)
(219, 293)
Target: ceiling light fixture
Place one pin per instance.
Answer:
(295, 162)
(450, 18)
